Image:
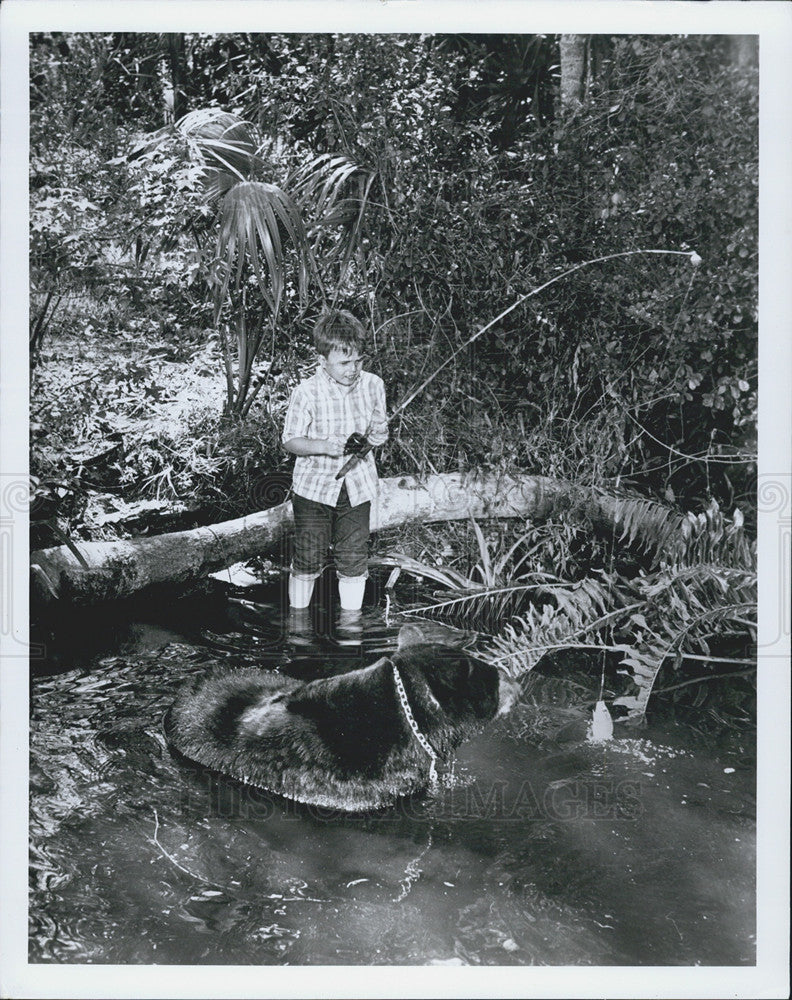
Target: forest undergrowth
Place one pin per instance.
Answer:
(181, 253)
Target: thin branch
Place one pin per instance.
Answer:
(479, 595)
(718, 659)
(707, 677)
(175, 863)
(523, 298)
(705, 458)
(352, 461)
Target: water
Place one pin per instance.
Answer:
(538, 847)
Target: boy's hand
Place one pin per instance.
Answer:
(355, 444)
(333, 447)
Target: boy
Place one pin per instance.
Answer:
(337, 412)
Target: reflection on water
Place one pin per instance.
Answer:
(537, 848)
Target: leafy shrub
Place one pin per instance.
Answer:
(639, 370)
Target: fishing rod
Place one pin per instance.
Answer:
(692, 256)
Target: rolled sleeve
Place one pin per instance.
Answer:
(379, 420)
(298, 416)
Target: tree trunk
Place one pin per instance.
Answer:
(745, 50)
(176, 61)
(123, 568)
(572, 50)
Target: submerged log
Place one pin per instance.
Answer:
(120, 569)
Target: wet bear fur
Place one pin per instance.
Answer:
(340, 742)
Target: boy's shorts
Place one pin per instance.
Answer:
(316, 525)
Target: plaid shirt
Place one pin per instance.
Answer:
(321, 408)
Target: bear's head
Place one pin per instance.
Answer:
(467, 688)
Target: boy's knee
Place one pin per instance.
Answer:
(297, 574)
(310, 550)
(308, 561)
(351, 562)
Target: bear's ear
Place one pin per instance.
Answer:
(410, 635)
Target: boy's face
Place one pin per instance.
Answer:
(341, 366)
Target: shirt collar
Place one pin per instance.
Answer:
(343, 390)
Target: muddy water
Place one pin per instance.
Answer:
(538, 847)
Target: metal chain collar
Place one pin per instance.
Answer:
(414, 725)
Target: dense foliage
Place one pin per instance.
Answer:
(196, 200)
(638, 370)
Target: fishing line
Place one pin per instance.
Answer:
(610, 623)
(692, 256)
(601, 726)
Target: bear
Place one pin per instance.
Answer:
(353, 742)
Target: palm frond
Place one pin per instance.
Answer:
(252, 214)
(445, 575)
(333, 191)
(318, 183)
(222, 142)
(60, 534)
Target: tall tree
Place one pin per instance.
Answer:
(174, 43)
(573, 68)
(745, 50)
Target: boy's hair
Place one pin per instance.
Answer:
(340, 329)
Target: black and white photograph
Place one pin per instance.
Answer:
(386, 477)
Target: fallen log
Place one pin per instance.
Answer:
(120, 569)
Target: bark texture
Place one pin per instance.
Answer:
(572, 51)
(123, 568)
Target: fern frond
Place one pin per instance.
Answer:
(646, 524)
(708, 537)
(676, 539)
(585, 600)
(682, 608)
(702, 584)
(487, 608)
(520, 646)
(473, 603)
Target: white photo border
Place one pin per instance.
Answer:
(772, 22)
